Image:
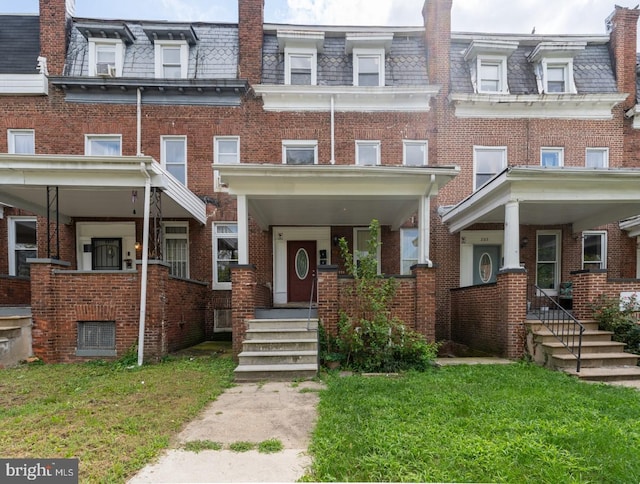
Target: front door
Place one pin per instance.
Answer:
(301, 270)
(486, 260)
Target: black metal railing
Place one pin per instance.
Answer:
(567, 329)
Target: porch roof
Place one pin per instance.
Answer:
(583, 197)
(92, 186)
(333, 194)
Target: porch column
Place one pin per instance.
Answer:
(511, 235)
(423, 231)
(243, 230)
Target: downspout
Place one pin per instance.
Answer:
(424, 235)
(145, 263)
(333, 132)
(145, 236)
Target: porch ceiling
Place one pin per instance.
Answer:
(585, 198)
(333, 194)
(94, 187)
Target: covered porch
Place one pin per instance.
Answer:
(81, 310)
(319, 204)
(549, 217)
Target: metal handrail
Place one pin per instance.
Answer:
(313, 287)
(562, 324)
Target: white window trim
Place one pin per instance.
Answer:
(604, 235)
(558, 235)
(476, 149)
(119, 46)
(412, 142)
(11, 139)
(90, 137)
(218, 186)
(184, 236)
(366, 230)
(300, 51)
(402, 251)
(163, 153)
(295, 143)
(567, 63)
(184, 56)
(603, 150)
(360, 52)
(558, 150)
(11, 242)
(216, 284)
(361, 143)
(503, 85)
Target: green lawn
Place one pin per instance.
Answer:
(516, 423)
(113, 418)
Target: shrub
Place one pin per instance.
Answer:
(369, 338)
(621, 319)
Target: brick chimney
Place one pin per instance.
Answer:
(55, 26)
(250, 34)
(437, 24)
(623, 25)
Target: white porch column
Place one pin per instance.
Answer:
(511, 235)
(423, 230)
(243, 230)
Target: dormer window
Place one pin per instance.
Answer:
(554, 66)
(171, 59)
(488, 65)
(300, 56)
(106, 57)
(369, 51)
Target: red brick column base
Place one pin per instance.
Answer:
(512, 290)
(243, 302)
(425, 300)
(328, 298)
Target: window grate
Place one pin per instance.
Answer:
(96, 338)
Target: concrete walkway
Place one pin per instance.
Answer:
(247, 412)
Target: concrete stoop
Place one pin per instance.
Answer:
(278, 350)
(601, 358)
(15, 337)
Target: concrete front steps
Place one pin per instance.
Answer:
(601, 359)
(15, 336)
(279, 350)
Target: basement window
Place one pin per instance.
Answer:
(96, 338)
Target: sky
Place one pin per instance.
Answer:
(513, 16)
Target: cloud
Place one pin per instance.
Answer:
(355, 12)
(188, 10)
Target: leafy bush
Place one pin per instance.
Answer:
(621, 319)
(369, 338)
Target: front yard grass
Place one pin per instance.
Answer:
(513, 423)
(113, 418)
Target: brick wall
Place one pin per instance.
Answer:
(15, 291)
(590, 286)
(61, 298)
(55, 17)
(491, 317)
(250, 19)
(243, 302)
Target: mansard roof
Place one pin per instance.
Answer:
(405, 58)
(593, 70)
(213, 53)
(19, 44)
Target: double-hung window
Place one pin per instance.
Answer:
(21, 141)
(299, 152)
(556, 78)
(597, 158)
(226, 151)
(492, 74)
(408, 249)
(106, 57)
(300, 67)
(594, 250)
(174, 156)
(225, 253)
(171, 59)
(552, 157)
(414, 153)
(176, 248)
(103, 145)
(368, 153)
(361, 237)
(488, 162)
(368, 67)
(22, 244)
